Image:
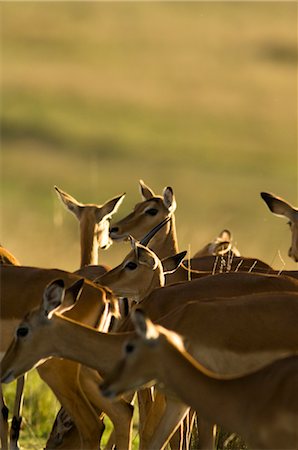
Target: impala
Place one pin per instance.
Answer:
(8, 258)
(140, 277)
(94, 221)
(151, 211)
(229, 336)
(19, 296)
(261, 406)
(221, 245)
(94, 225)
(282, 208)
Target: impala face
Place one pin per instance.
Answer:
(282, 208)
(13, 363)
(94, 222)
(146, 214)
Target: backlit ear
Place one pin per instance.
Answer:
(52, 297)
(146, 192)
(143, 325)
(70, 202)
(169, 199)
(225, 235)
(110, 207)
(72, 294)
(278, 206)
(146, 256)
(172, 263)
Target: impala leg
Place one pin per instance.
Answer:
(3, 422)
(17, 418)
(120, 412)
(152, 420)
(173, 413)
(206, 432)
(181, 439)
(62, 376)
(145, 400)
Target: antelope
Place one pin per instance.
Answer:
(228, 336)
(92, 309)
(94, 224)
(261, 406)
(141, 277)
(282, 208)
(8, 258)
(221, 245)
(151, 211)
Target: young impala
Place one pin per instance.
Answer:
(262, 406)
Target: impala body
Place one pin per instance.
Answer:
(261, 406)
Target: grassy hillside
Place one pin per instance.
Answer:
(200, 96)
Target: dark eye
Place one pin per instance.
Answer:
(151, 211)
(290, 223)
(22, 332)
(131, 265)
(129, 348)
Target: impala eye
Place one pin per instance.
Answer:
(129, 348)
(151, 211)
(22, 331)
(131, 265)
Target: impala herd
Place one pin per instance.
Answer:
(210, 340)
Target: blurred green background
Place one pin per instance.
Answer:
(201, 96)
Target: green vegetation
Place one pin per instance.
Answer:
(201, 96)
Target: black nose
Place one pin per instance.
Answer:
(114, 230)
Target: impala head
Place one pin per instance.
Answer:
(221, 245)
(31, 344)
(94, 219)
(281, 208)
(146, 214)
(140, 272)
(142, 363)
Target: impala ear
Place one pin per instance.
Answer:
(70, 202)
(146, 256)
(110, 207)
(52, 297)
(278, 206)
(225, 235)
(172, 263)
(72, 294)
(143, 325)
(146, 192)
(169, 199)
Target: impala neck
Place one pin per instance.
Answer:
(166, 244)
(89, 244)
(87, 346)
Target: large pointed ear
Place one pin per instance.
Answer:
(52, 297)
(110, 207)
(146, 256)
(146, 192)
(278, 206)
(172, 263)
(70, 202)
(169, 199)
(72, 294)
(143, 325)
(225, 235)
